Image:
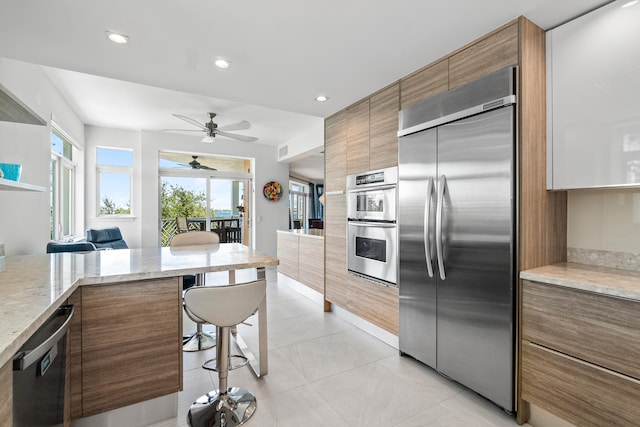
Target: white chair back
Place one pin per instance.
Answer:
(225, 305)
(195, 238)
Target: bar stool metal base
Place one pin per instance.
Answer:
(199, 341)
(231, 409)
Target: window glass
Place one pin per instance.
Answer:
(114, 157)
(114, 171)
(61, 146)
(62, 185)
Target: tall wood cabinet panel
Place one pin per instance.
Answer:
(383, 128)
(335, 249)
(288, 250)
(358, 137)
(131, 343)
(424, 83)
(490, 54)
(6, 394)
(335, 152)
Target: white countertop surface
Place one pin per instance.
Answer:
(33, 286)
(603, 280)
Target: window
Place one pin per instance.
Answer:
(298, 204)
(62, 174)
(114, 172)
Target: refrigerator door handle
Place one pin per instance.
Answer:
(439, 250)
(427, 223)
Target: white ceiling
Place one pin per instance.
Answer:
(283, 53)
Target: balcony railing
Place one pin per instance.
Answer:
(228, 228)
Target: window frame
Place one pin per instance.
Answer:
(60, 165)
(114, 169)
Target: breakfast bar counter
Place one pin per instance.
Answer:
(33, 286)
(128, 312)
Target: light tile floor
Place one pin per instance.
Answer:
(323, 371)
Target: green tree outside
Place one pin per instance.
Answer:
(178, 201)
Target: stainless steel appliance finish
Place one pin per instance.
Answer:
(39, 374)
(372, 250)
(456, 235)
(372, 236)
(371, 196)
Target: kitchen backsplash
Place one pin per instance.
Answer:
(623, 260)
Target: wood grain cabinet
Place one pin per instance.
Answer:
(383, 128)
(302, 258)
(288, 248)
(580, 355)
(131, 343)
(335, 152)
(6, 394)
(311, 262)
(335, 250)
(485, 56)
(358, 138)
(424, 83)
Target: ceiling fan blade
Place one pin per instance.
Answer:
(206, 167)
(190, 120)
(236, 136)
(243, 125)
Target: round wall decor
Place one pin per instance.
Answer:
(272, 191)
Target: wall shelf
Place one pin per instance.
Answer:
(8, 185)
(14, 110)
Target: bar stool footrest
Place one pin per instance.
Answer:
(211, 363)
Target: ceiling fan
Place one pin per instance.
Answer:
(212, 130)
(195, 164)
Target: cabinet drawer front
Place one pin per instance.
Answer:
(581, 393)
(601, 329)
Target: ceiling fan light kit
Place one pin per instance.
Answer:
(212, 130)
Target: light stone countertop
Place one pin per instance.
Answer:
(316, 233)
(603, 280)
(33, 286)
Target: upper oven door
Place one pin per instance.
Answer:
(372, 204)
(372, 250)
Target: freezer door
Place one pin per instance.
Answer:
(417, 283)
(475, 298)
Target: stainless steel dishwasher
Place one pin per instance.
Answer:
(39, 374)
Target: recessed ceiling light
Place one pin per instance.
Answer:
(117, 38)
(630, 3)
(322, 98)
(222, 63)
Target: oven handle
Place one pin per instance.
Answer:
(427, 217)
(439, 249)
(372, 188)
(372, 224)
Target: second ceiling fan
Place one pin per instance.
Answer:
(212, 130)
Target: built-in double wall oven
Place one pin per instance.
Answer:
(372, 235)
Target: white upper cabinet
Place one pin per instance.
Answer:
(593, 100)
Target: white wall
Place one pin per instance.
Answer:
(607, 220)
(24, 216)
(143, 231)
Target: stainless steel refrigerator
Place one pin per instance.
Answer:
(456, 227)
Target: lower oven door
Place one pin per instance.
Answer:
(372, 250)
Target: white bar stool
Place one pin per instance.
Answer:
(200, 340)
(225, 307)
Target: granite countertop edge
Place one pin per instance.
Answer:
(602, 280)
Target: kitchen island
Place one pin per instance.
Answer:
(143, 285)
(580, 343)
